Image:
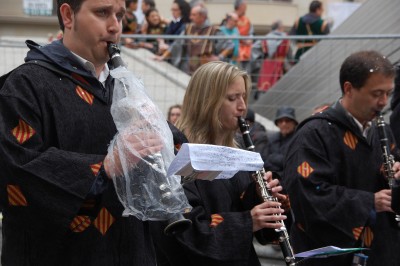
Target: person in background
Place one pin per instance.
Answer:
(155, 26)
(333, 170)
(276, 61)
(146, 6)
(189, 54)
(59, 203)
(395, 107)
(279, 142)
(180, 10)
(174, 112)
(309, 24)
(229, 28)
(129, 22)
(395, 127)
(245, 29)
(226, 212)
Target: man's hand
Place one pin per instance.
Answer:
(383, 200)
(129, 148)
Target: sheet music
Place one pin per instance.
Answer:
(209, 162)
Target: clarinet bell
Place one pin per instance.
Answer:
(177, 224)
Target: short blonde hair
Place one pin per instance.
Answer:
(203, 100)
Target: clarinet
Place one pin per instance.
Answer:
(267, 196)
(388, 160)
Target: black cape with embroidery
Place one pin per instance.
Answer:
(221, 233)
(331, 175)
(54, 136)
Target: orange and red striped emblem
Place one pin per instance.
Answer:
(103, 221)
(80, 224)
(23, 131)
(368, 236)
(15, 196)
(85, 95)
(216, 219)
(305, 169)
(357, 232)
(96, 168)
(350, 140)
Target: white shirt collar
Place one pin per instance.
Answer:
(176, 20)
(90, 67)
(363, 129)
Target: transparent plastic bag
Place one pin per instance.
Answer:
(141, 181)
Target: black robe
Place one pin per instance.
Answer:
(395, 126)
(54, 136)
(221, 233)
(331, 175)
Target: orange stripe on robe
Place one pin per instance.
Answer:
(350, 140)
(305, 169)
(23, 132)
(85, 95)
(15, 196)
(80, 224)
(216, 219)
(96, 168)
(103, 221)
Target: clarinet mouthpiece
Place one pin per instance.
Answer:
(115, 55)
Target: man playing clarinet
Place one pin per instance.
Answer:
(334, 171)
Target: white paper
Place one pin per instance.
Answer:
(326, 252)
(210, 162)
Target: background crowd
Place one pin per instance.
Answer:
(265, 60)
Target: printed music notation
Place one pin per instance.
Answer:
(209, 162)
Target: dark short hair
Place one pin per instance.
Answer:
(237, 4)
(128, 2)
(276, 25)
(150, 3)
(314, 5)
(75, 6)
(359, 66)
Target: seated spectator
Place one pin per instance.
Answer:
(189, 54)
(180, 10)
(146, 6)
(129, 22)
(229, 28)
(155, 26)
(245, 28)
